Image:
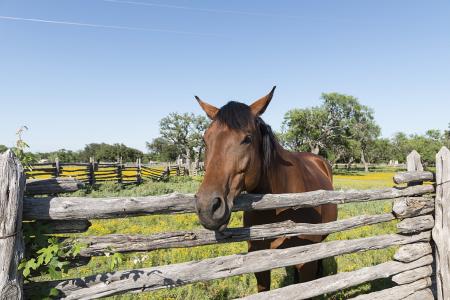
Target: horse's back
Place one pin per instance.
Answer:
(315, 171)
(317, 175)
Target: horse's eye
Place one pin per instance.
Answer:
(247, 140)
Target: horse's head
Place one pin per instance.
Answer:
(238, 147)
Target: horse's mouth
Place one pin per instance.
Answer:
(222, 227)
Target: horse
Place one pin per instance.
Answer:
(242, 154)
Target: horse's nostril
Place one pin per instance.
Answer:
(216, 203)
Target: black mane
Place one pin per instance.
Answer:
(238, 116)
(235, 115)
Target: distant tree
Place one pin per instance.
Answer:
(306, 129)
(434, 134)
(185, 131)
(447, 137)
(162, 150)
(379, 151)
(64, 155)
(340, 129)
(353, 125)
(400, 146)
(3, 148)
(364, 131)
(347, 154)
(427, 145)
(107, 152)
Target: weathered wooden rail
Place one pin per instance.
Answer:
(411, 268)
(66, 208)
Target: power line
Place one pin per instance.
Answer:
(105, 26)
(237, 12)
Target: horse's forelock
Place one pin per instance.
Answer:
(235, 115)
(238, 116)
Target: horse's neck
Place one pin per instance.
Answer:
(268, 181)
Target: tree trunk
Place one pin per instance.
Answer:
(197, 158)
(315, 149)
(335, 159)
(363, 160)
(349, 163)
(188, 160)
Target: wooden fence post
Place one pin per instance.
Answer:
(57, 169)
(441, 230)
(119, 172)
(91, 171)
(138, 171)
(413, 164)
(12, 185)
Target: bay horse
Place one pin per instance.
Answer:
(242, 154)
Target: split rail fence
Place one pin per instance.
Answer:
(95, 172)
(419, 268)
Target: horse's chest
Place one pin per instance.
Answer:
(300, 215)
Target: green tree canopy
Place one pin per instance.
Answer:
(305, 129)
(162, 150)
(64, 155)
(3, 148)
(185, 132)
(427, 145)
(341, 128)
(107, 152)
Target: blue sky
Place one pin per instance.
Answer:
(81, 71)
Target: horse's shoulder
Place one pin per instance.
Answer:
(311, 158)
(312, 163)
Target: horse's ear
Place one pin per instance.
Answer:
(210, 110)
(259, 106)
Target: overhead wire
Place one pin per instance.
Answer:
(226, 11)
(11, 18)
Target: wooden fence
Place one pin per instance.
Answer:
(420, 267)
(95, 172)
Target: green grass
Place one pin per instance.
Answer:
(237, 286)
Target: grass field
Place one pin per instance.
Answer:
(240, 285)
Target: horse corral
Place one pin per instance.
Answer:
(95, 172)
(420, 267)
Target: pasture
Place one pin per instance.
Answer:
(237, 286)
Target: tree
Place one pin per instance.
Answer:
(64, 155)
(3, 148)
(185, 131)
(106, 152)
(379, 151)
(427, 145)
(353, 124)
(305, 129)
(446, 137)
(400, 146)
(365, 131)
(341, 128)
(162, 150)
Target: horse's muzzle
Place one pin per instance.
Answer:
(213, 214)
